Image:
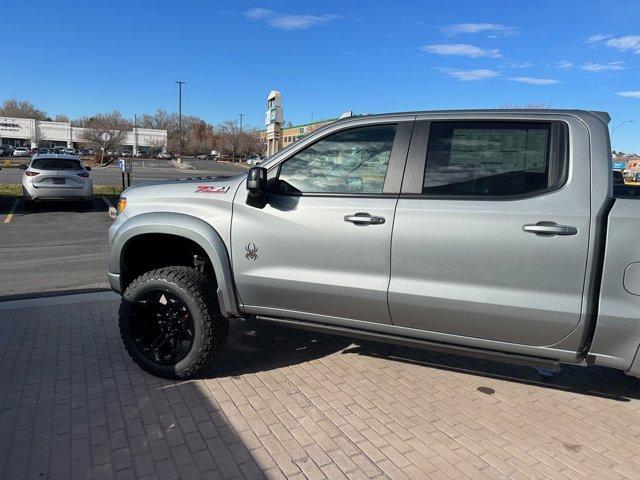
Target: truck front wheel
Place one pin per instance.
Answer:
(170, 322)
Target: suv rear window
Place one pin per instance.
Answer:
(56, 164)
(491, 158)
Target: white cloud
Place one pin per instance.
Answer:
(623, 43)
(461, 50)
(469, 75)
(603, 67)
(284, 21)
(598, 37)
(534, 80)
(631, 94)
(562, 64)
(493, 29)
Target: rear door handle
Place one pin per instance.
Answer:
(549, 229)
(362, 218)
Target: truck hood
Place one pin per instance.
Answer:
(222, 188)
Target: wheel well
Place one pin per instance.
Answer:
(150, 251)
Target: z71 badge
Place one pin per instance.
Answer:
(211, 189)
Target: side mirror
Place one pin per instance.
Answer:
(257, 181)
(88, 169)
(22, 166)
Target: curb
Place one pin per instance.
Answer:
(183, 166)
(41, 299)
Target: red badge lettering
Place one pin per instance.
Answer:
(211, 189)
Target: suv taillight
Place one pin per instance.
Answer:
(84, 174)
(31, 174)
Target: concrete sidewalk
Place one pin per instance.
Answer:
(281, 403)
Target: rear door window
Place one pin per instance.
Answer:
(491, 159)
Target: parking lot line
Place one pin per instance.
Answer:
(9, 216)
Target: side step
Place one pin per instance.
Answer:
(513, 359)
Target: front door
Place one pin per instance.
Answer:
(492, 241)
(320, 248)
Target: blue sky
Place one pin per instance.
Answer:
(325, 57)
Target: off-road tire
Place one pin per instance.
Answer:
(198, 293)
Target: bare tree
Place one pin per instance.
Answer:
(21, 109)
(231, 138)
(61, 118)
(113, 123)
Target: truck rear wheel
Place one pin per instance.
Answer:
(170, 322)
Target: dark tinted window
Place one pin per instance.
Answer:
(56, 164)
(492, 159)
(351, 161)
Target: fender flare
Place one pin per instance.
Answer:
(186, 226)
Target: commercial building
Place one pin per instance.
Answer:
(25, 132)
(276, 136)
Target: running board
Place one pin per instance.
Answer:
(513, 359)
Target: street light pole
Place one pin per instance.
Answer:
(622, 123)
(180, 83)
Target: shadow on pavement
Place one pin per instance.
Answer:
(594, 381)
(254, 346)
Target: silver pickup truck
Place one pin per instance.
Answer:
(489, 233)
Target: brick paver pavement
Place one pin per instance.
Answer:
(281, 403)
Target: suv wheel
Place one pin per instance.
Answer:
(170, 322)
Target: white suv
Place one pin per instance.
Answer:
(56, 177)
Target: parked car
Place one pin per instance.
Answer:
(6, 150)
(56, 177)
(203, 156)
(85, 152)
(126, 153)
(20, 152)
(164, 155)
(254, 160)
(42, 151)
(532, 262)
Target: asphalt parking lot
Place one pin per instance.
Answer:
(280, 403)
(62, 246)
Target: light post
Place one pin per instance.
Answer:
(180, 83)
(622, 123)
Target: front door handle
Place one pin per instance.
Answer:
(362, 218)
(549, 229)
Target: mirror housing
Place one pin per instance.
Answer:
(22, 166)
(88, 169)
(257, 181)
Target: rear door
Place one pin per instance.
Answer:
(491, 231)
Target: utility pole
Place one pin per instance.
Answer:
(135, 134)
(620, 124)
(241, 115)
(180, 83)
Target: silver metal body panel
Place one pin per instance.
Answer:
(310, 260)
(177, 208)
(617, 332)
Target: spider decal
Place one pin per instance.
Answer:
(252, 252)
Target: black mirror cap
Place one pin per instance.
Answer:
(88, 169)
(22, 166)
(257, 181)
